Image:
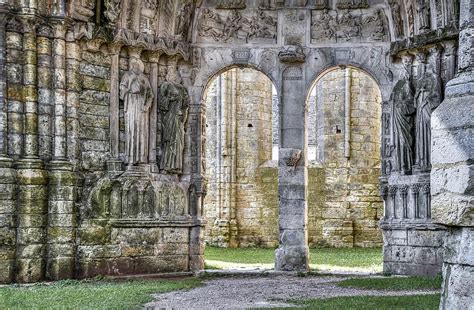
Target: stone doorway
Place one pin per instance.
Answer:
(241, 205)
(344, 160)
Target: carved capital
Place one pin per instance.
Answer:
(154, 57)
(450, 48)
(403, 189)
(392, 189)
(425, 188)
(415, 188)
(383, 191)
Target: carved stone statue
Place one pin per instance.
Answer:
(83, 10)
(174, 104)
(112, 10)
(349, 26)
(183, 20)
(397, 19)
(137, 94)
(403, 112)
(427, 99)
(411, 19)
(232, 25)
(423, 11)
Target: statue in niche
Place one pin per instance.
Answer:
(137, 94)
(183, 20)
(427, 99)
(83, 10)
(112, 10)
(423, 11)
(174, 104)
(403, 112)
(397, 18)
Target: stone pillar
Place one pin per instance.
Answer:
(7, 173)
(32, 178)
(62, 180)
(293, 252)
(452, 176)
(154, 60)
(114, 163)
(73, 92)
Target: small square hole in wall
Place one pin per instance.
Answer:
(250, 126)
(338, 130)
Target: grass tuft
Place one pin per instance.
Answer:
(395, 283)
(89, 294)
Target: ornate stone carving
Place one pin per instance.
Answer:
(349, 26)
(424, 15)
(112, 10)
(452, 12)
(321, 4)
(403, 112)
(292, 54)
(235, 27)
(231, 4)
(137, 94)
(427, 99)
(396, 19)
(174, 104)
(183, 21)
(83, 10)
(332, 26)
(410, 18)
(292, 158)
(352, 4)
(376, 25)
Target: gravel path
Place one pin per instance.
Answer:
(262, 292)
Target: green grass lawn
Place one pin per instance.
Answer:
(419, 302)
(364, 259)
(394, 283)
(89, 294)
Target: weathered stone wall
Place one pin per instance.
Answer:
(343, 203)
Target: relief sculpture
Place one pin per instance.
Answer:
(174, 105)
(234, 26)
(137, 95)
(334, 26)
(403, 112)
(427, 99)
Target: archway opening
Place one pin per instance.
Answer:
(344, 138)
(241, 205)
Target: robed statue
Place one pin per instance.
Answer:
(137, 96)
(174, 104)
(403, 112)
(427, 98)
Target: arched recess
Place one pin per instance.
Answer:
(344, 137)
(239, 207)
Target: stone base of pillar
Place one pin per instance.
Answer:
(61, 221)
(458, 269)
(7, 227)
(292, 258)
(114, 165)
(196, 248)
(32, 220)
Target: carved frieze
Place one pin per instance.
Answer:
(352, 4)
(348, 26)
(231, 4)
(235, 26)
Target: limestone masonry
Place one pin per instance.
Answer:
(132, 132)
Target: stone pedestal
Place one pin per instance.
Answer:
(61, 221)
(7, 220)
(32, 219)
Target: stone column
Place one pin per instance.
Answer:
(32, 178)
(452, 176)
(7, 173)
(293, 252)
(73, 92)
(154, 60)
(114, 163)
(62, 180)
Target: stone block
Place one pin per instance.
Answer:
(31, 251)
(458, 287)
(175, 235)
(98, 251)
(30, 270)
(61, 268)
(137, 250)
(292, 258)
(93, 234)
(176, 249)
(7, 271)
(61, 234)
(433, 238)
(459, 247)
(61, 250)
(27, 236)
